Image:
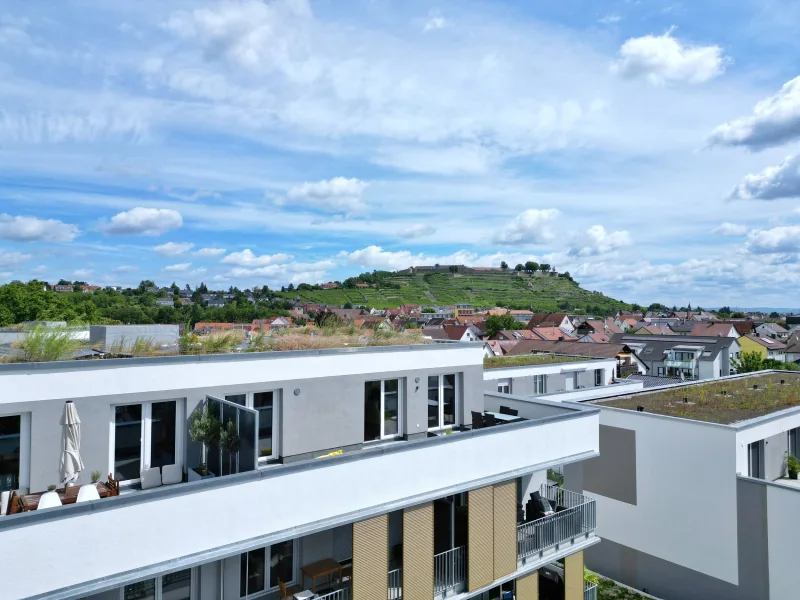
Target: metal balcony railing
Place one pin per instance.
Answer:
(680, 364)
(342, 594)
(449, 571)
(396, 584)
(576, 517)
(590, 591)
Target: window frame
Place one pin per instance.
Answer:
(504, 383)
(268, 570)
(277, 411)
(24, 474)
(145, 454)
(159, 579)
(539, 384)
(401, 386)
(440, 409)
(598, 377)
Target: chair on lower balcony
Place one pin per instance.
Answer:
(511, 412)
(477, 420)
(287, 593)
(489, 420)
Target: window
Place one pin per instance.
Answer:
(14, 452)
(754, 456)
(441, 401)
(172, 586)
(540, 384)
(598, 377)
(661, 371)
(262, 568)
(504, 386)
(793, 439)
(382, 409)
(145, 435)
(266, 404)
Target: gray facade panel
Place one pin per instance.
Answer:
(613, 473)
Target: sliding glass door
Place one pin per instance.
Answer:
(172, 586)
(442, 397)
(145, 435)
(266, 405)
(10, 452)
(382, 409)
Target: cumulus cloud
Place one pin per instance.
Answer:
(610, 19)
(773, 183)
(335, 195)
(417, 230)
(434, 21)
(13, 259)
(247, 258)
(209, 252)
(125, 269)
(774, 121)
(664, 58)
(375, 257)
(730, 229)
(173, 249)
(144, 221)
(31, 229)
(533, 226)
(178, 268)
(597, 242)
(82, 273)
(778, 240)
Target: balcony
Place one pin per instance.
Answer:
(680, 364)
(590, 591)
(575, 519)
(449, 572)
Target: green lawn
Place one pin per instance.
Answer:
(524, 360)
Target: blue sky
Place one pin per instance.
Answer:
(648, 147)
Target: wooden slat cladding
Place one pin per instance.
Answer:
(505, 528)
(573, 576)
(371, 558)
(528, 587)
(480, 538)
(418, 552)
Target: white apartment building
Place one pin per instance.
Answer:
(349, 474)
(691, 484)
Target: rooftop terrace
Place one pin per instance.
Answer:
(524, 360)
(725, 401)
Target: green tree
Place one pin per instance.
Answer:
(544, 267)
(531, 266)
(750, 362)
(497, 323)
(504, 265)
(519, 267)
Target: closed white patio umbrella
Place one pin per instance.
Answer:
(70, 465)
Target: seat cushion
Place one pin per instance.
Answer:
(151, 478)
(171, 474)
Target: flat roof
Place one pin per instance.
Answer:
(525, 360)
(725, 401)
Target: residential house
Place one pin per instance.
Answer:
(773, 330)
(555, 334)
(708, 328)
(644, 329)
(689, 357)
(454, 333)
(626, 322)
(517, 334)
(284, 507)
(627, 361)
(331, 285)
(765, 346)
(560, 320)
(523, 316)
(463, 310)
(595, 338)
(165, 301)
(742, 326)
(63, 288)
(271, 324)
(792, 350)
(693, 493)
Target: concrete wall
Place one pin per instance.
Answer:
(783, 505)
(126, 335)
(685, 506)
(522, 377)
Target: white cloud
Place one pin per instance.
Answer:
(773, 183)
(40, 269)
(464, 159)
(774, 121)
(597, 242)
(434, 21)
(417, 230)
(533, 226)
(664, 58)
(31, 229)
(82, 273)
(125, 269)
(778, 240)
(173, 249)
(334, 195)
(610, 19)
(209, 252)
(178, 268)
(247, 258)
(144, 221)
(13, 259)
(730, 229)
(375, 257)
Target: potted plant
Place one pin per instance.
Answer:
(95, 476)
(51, 488)
(204, 428)
(230, 441)
(792, 465)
